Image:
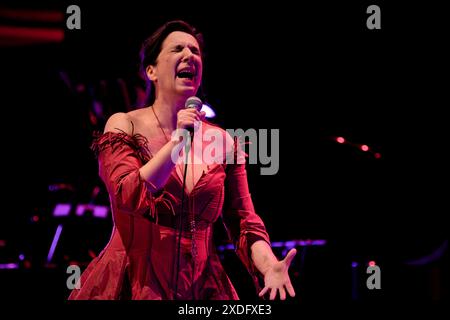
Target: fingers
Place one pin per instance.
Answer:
(190, 116)
(186, 118)
(282, 294)
(263, 291)
(290, 289)
(191, 111)
(273, 293)
(290, 256)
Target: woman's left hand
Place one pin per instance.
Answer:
(276, 278)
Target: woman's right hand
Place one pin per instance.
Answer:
(187, 118)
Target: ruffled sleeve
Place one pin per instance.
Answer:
(243, 225)
(119, 157)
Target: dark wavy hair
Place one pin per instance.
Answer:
(152, 46)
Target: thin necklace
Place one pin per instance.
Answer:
(192, 222)
(159, 123)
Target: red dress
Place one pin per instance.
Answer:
(141, 260)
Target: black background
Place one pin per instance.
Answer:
(312, 70)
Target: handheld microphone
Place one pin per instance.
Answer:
(193, 102)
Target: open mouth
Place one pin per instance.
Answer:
(186, 73)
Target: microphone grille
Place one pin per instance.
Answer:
(193, 102)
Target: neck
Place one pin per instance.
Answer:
(167, 110)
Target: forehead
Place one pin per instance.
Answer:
(180, 38)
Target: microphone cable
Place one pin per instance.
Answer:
(181, 215)
(192, 102)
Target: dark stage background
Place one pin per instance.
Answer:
(312, 70)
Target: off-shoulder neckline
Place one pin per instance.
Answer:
(136, 141)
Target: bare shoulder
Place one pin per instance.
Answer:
(137, 114)
(119, 122)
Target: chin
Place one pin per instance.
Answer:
(189, 92)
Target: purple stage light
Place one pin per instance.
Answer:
(283, 244)
(54, 243)
(100, 211)
(9, 266)
(61, 210)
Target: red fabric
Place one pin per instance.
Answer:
(139, 260)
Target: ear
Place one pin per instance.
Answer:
(150, 72)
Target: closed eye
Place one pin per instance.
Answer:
(179, 48)
(195, 50)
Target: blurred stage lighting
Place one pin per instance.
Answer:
(208, 110)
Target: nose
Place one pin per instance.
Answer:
(187, 55)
